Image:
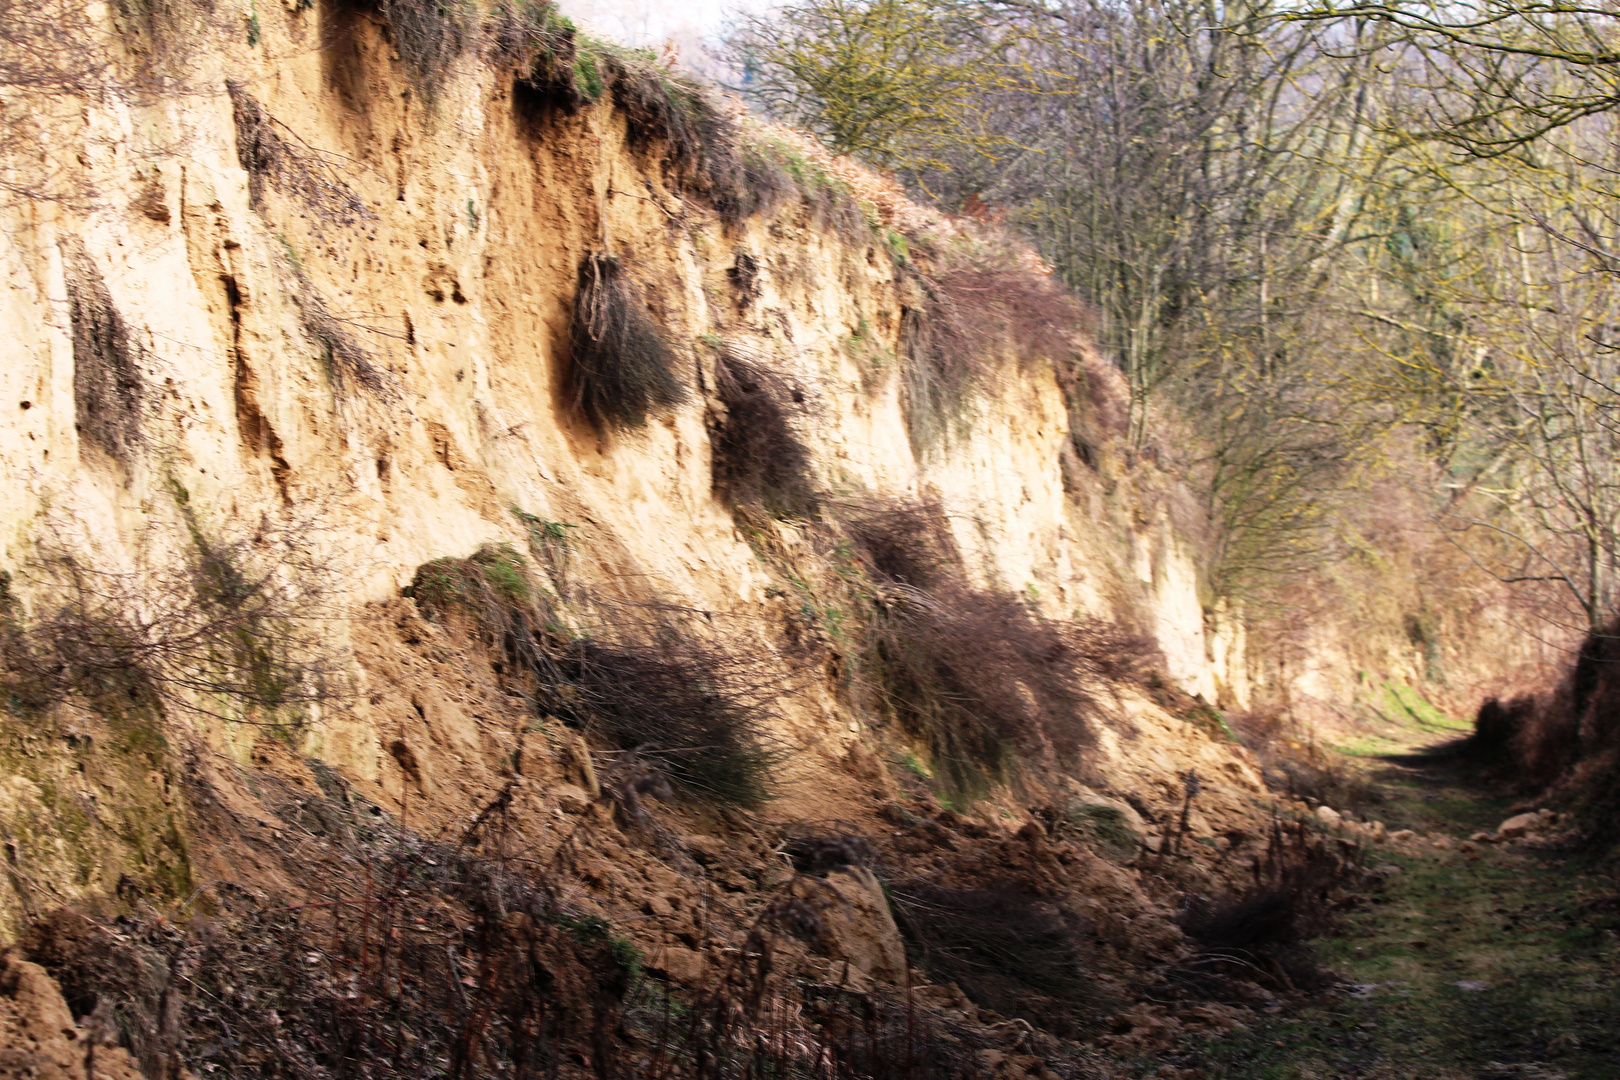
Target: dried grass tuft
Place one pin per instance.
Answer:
(1259, 933)
(622, 368)
(758, 459)
(678, 703)
(968, 320)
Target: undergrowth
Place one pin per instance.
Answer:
(621, 368)
(1565, 742)
(388, 956)
(1012, 950)
(653, 692)
(1258, 934)
(758, 459)
(1294, 764)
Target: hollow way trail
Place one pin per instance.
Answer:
(1498, 963)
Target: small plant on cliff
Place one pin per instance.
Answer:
(759, 459)
(621, 367)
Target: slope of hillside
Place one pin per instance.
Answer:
(505, 554)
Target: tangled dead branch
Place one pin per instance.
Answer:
(291, 167)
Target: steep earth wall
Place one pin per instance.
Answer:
(358, 364)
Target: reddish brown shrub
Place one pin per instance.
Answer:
(976, 675)
(1567, 741)
(1259, 933)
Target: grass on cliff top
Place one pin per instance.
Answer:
(672, 118)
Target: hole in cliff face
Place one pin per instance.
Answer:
(537, 108)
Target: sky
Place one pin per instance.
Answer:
(650, 23)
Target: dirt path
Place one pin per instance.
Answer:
(1489, 965)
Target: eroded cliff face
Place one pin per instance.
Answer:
(340, 369)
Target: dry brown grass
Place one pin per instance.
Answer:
(758, 458)
(1565, 742)
(401, 958)
(430, 36)
(977, 676)
(348, 363)
(1009, 949)
(621, 369)
(973, 317)
(1257, 934)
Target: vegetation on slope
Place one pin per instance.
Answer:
(1374, 254)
